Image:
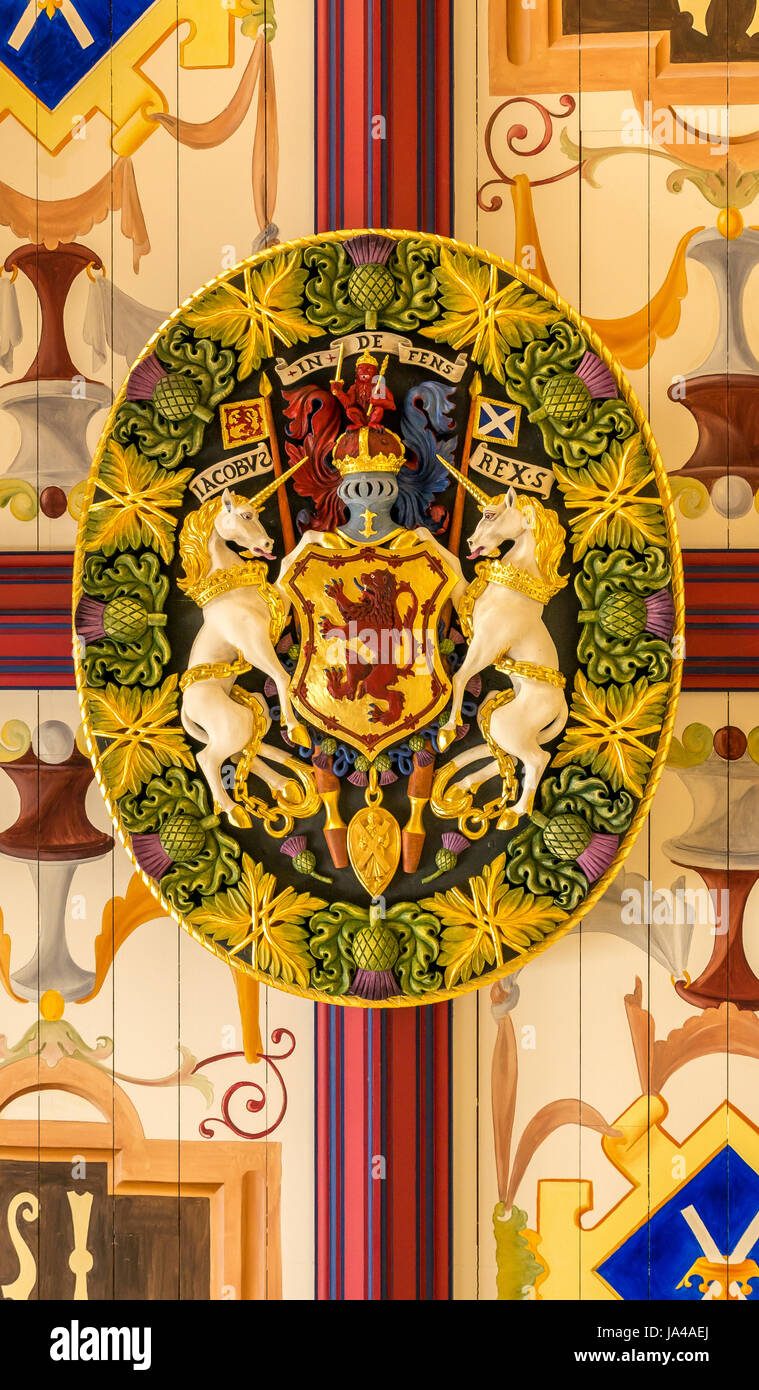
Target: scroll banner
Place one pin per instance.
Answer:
(512, 472)
(379, 343)
(228, 472)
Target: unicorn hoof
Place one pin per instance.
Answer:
(445, 738)
(507, 820)
(299, 734)
(239, 818)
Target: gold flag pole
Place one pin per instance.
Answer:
(285, 519)
(454, 537)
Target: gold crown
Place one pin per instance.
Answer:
(365, 461)
(366, 359)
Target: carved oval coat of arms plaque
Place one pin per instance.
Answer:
(378, 615)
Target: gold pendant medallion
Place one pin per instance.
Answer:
(374, 846)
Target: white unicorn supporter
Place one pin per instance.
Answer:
(243, 618)
(501, 615)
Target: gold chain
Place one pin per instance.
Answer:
(473, 591)
(475, 820)
(214, 671)
(455, 803)
(505, 763)
(530, 669)
(277, 820)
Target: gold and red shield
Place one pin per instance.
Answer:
(369, 669)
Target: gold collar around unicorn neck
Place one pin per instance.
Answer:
(251, 573)
(512, 577)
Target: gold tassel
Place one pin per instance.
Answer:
(265, 161)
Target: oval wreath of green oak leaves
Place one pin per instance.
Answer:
(378, 607)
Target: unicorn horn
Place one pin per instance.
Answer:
(263, 496)
(480, 497)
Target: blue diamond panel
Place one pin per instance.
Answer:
(651, 1263)
(50, 56)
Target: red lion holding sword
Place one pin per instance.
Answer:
(366, 401)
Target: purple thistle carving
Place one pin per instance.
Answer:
(270, 688)
(455, 842)
(322, 760)
(455, 636)
(284, 644)
(151, 855)
(660, 614)
(474, 686)
(374, 984)
(88, 619)
(145, 378)
(369, 249)
(304, 859)
(294, 844)
(358, 779)
(462, 731)
(424, 757)
(387, 777)
(599, 854)
(597, 377)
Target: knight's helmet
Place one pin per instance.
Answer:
(368, 460)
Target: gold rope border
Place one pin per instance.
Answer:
(678, 592)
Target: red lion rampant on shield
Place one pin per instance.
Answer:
(373, 622)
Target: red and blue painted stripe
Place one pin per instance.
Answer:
(383, 151)
(35, 621)
(383, 1153)
(383, 158)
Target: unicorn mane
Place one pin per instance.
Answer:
(194, 540)
(550, 539)
(193, 544)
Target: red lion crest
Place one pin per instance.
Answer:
(373, 622)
